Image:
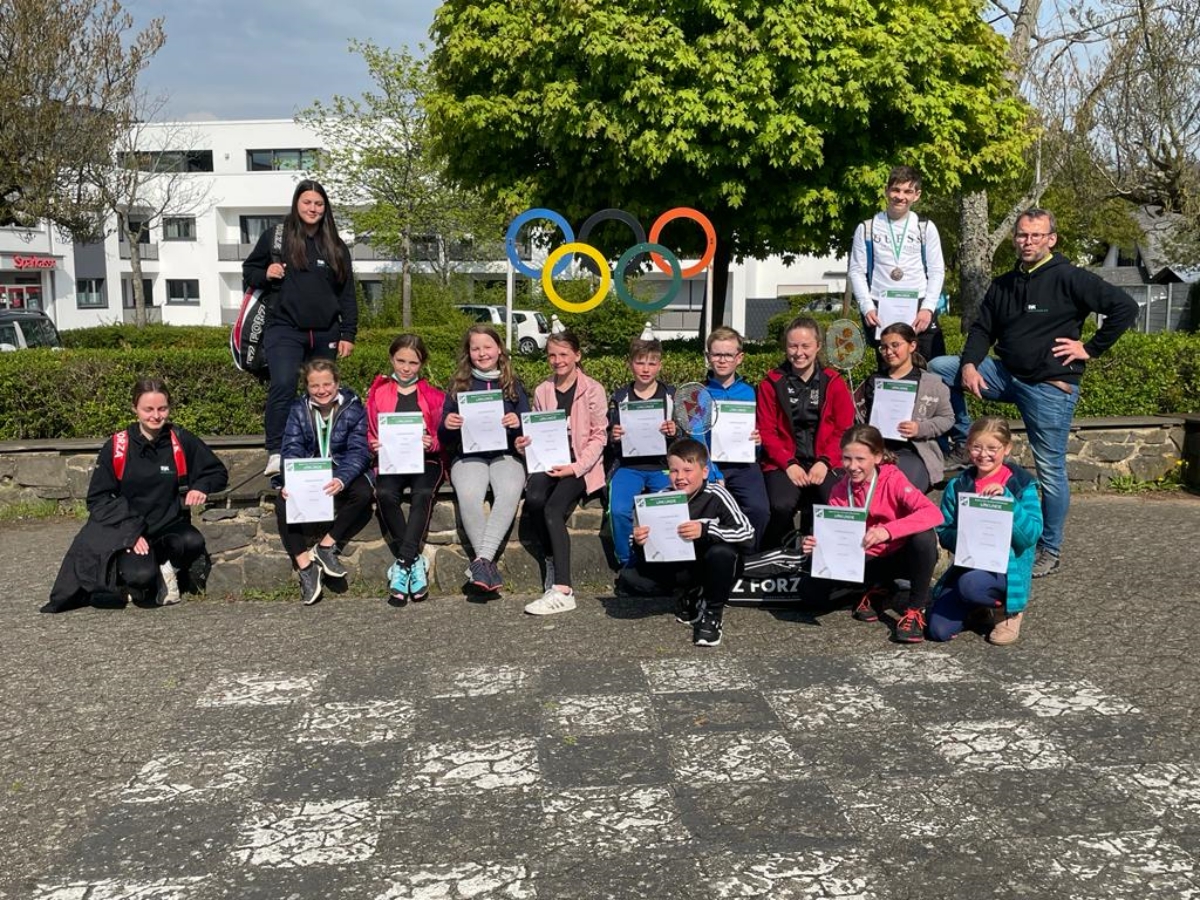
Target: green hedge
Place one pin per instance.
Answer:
(82, 393)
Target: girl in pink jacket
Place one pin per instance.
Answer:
(900, 541)
(551, 497)
(406, 391)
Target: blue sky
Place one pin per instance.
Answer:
(267, 59)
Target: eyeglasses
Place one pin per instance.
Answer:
(1026, 238)
(724, 357)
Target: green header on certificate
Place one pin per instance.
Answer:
(842, 515)
(735, 407)
(645, 404)
(887, 384)
(1000, 504)
(902, 295)
(401, 419)
(664, 500)
(555, 415)
(480, 396)
(310, 465)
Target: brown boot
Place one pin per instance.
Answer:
(1006, 630)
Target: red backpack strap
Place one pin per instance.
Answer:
(120, 447)
(180, 459)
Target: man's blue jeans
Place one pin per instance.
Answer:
(1047, 413)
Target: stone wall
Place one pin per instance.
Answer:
(241, 532)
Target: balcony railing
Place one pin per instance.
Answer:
(145, 251)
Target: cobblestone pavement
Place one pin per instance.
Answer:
(457, 750)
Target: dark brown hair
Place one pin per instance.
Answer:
(150, 386)
(904, 175)
(329, 244)
(639, 347)
(869, 437)
(909, 334)
(807, 322)
(320, 365)
(689, 450)
(411, 342)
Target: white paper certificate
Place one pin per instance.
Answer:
(896, 306)
(401, 451)
(305, 481)
(893, 403)
(731, 431)
(663, 513)
(482, 412)
(839, 554)
(984, 532)
(641, 421)
(548, 446)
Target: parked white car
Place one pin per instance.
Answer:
(532, 327)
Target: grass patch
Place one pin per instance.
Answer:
(1170, 482)
(42, 509)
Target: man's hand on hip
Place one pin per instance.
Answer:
(1068, 351)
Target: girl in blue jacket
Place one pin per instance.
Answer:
(961, 591)
(328, 423)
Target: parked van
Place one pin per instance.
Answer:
(532, 327)
(22, 328)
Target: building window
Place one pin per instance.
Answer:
(167, 160)
(254, 226)
(179, 228)
(183, 290)
(127, 292)
(89, 293)
(282, 160)
(138, 226)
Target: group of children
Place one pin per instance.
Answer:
(810, 451)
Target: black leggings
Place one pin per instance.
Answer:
(716, 568)
(549, 502)
(180, 545)
(351, 512)
(404, 537)
(913, 467)
(786, 498)
(915, 561)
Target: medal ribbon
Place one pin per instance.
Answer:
(898, 246)
(324, 428)
(870, 493)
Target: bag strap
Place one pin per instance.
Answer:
(120, 442)
(869, 233)
(277, 244)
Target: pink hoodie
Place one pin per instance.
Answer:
(897, 506)
(382, 398)
(588, 420)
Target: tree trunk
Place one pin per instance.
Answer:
(975, 254)
(139, 295)
(720, 269)
(406, 282)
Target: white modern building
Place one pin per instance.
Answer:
(244, 173)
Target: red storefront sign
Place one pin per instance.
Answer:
(34, 262)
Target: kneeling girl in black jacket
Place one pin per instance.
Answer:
(139, 534)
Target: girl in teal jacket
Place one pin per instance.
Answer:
(962, 592)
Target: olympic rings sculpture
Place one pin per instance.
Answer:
(594, 261)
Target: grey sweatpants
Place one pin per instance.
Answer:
(471, 476)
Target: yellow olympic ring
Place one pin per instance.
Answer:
(548, 277)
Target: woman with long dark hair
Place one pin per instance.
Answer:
(310, 292)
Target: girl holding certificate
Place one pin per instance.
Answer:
(899, 541)
(484, 376)
(327, 425)
(406, 391)
(1001, 597)
(551, 496)
(913, 402)
(803, 410)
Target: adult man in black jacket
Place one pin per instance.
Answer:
(1034, 315)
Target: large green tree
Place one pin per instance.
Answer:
(777, 118)
(68, 73)
(378, 158)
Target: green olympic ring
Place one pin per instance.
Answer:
(676, 277)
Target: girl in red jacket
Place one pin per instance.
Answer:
(803, 410)
(900, 539)
(406, 391)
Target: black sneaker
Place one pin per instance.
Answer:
(707, 632)
(957, 457)
(480, 574)
(495, 580)
(327, 559)
(870, 604)
(911, 627)
(1044, 563)
(310, 584)
(688, 605)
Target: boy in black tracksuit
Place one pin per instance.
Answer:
(722, 534)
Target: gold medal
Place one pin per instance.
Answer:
(897, 273)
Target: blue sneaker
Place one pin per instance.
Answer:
(399, 577)
(418, 579)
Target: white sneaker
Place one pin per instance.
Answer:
(169, 596)
(274, 465)
(551, 602)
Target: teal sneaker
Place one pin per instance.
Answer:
(399, 577)
(418, 579)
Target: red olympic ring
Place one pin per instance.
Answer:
(685, 212)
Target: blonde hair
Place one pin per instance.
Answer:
(723, 333)
(997, 425)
